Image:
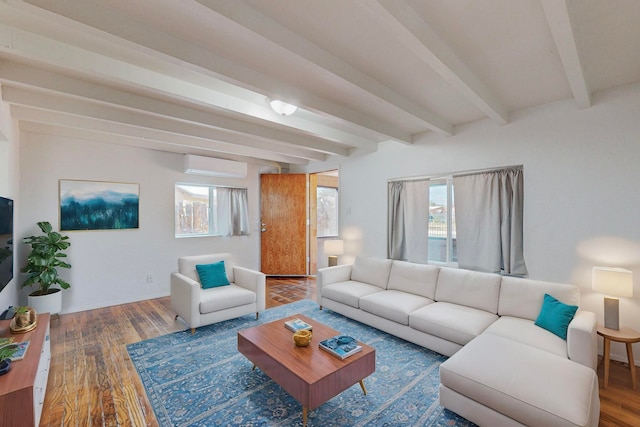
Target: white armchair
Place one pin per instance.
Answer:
(199, 307)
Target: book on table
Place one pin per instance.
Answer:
(296, 325)
(341, 346)
(20, 348)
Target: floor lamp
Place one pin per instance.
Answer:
(333, 248)
(616, 282)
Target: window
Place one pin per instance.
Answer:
(327, 211)
(442, 222)
(204, 210)
(423, 225)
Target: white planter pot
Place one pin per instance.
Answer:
(50, 303)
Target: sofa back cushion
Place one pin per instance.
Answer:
(187, 264)
(374, 271)
(471, 288)
(417, 279)
(523, 297)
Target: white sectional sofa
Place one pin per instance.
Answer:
(503, 369)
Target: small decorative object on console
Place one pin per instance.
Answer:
(25, 320)
(295, 325)
(341, 346)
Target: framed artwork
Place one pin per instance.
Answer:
(98, 205)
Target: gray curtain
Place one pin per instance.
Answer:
(232, 212)
(489, 221)
(408, 220)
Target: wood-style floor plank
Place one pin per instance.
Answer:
(92, 381)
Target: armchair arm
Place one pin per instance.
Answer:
(254, 281)
(328, 275)
(185, 298)
(582, 339)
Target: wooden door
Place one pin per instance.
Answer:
(283, 243)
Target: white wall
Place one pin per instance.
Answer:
(582, 196)
(9, 150)
(111, 267)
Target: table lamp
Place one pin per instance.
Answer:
(616, 282)
(333, 248)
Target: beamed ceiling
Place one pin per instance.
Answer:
(195, 76)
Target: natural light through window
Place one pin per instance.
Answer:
(327, 211)
(192, 210)
(209, 210)
(442, 223)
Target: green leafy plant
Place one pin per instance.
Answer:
(7, 351)
(22, 309)
(47, 254)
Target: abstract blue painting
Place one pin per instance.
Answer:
(98, 205)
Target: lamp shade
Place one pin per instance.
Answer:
(334, 247)
(612, 281)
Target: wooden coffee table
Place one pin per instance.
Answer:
(310, 375)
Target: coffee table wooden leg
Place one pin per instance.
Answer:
(253, 368)
(607, 355)
(364, 390)
(304, 416)
(632, 365)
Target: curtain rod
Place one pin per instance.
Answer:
(455, 174)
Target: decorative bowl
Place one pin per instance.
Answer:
(302, 338)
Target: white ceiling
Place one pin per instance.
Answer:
(194, 76)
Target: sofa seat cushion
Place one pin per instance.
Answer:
(532, 386)
(452, 322)
(223, 297)
(393, 305)
(349, 292)
(525, 332)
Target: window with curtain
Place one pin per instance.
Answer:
(205, 210)
(490, 208)
(422, 221)
(481, 228)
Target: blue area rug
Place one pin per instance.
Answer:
(202, 380)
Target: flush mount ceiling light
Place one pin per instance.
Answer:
(282, 108)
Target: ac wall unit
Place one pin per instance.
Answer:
(199, 165)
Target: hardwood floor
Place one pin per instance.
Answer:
(93, 383)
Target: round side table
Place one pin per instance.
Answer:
(624, 335)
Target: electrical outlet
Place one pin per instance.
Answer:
(149, 278)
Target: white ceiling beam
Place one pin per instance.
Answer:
(256, 22)
(102, 23)
(79, 107)
(410, 29)
(559, 20)
(97, 126)
(50, 81)
(25, 75)
(199, 148)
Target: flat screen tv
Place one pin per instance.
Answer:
(6, 241)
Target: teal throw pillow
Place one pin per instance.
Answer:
(212, 275)
(555, 316)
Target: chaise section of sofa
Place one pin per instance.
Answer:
(501, 364)
(496, 381)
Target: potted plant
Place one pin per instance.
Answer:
(47, 255)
